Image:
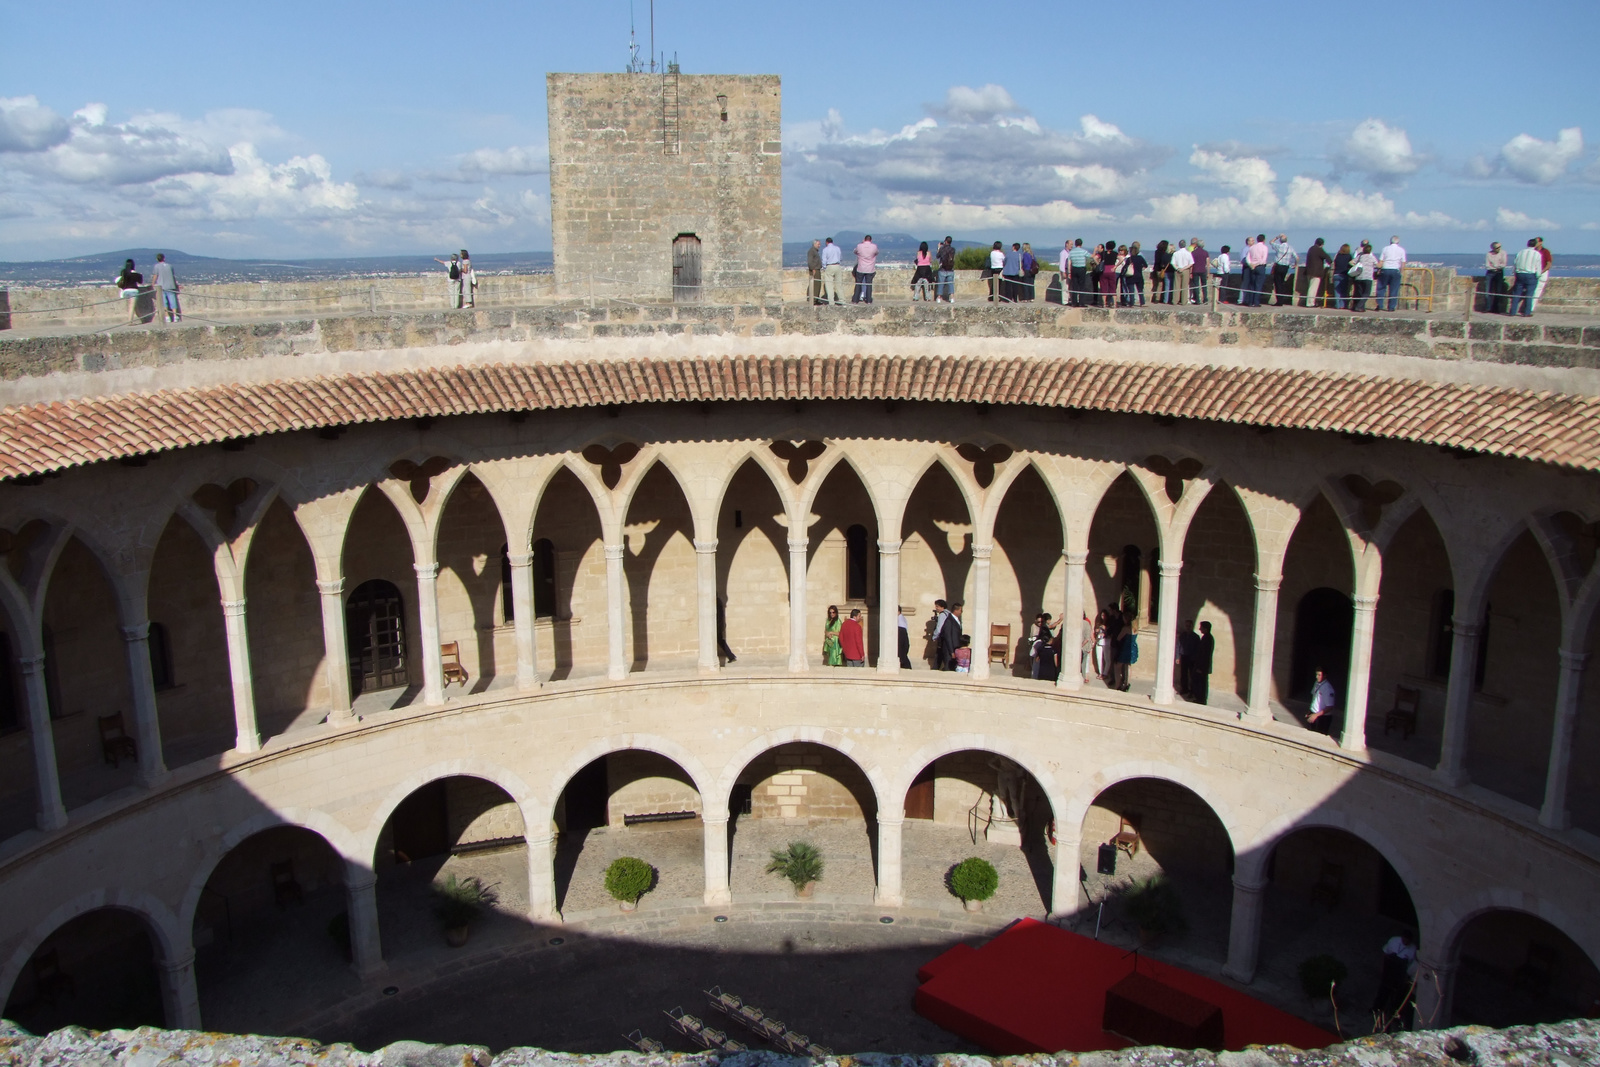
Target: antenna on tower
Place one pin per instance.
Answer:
(635, 64)
(652, 36)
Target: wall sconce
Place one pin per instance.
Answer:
(722, 104)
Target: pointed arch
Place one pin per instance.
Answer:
(288, 666)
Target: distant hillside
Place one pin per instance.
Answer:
(103, 267)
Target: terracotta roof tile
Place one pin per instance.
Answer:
(1556, 428)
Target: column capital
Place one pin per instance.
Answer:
(799, 544)
(538, 840)
(706, 548)
(1246, 887)
(888, 820)
(715, 820)
(368, 880)
(1268, 585)
(520, 559)
(178, 963)
(331, 587)
(982, 551)
(139, 631)
(615, 551)
(234, 607)
(1365, 603)
(1169, 569)
(888, 548)
(31, 664)
(1573, 661)
(1076, 559)
(1465, 630)
(426, 571)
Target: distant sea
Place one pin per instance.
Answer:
(1472, 263)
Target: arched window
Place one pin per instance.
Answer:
(10, 705)
(1442, 637)
(160, 657)
(544, 579)
(856, 563)
(1323, 622)
(375, 635)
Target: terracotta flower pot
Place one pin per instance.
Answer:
(456, 936)
(972, 905)
(805, 891)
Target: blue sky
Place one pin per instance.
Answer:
(342, 128)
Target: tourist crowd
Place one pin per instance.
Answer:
(1109, 274)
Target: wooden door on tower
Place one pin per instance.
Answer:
(686, 268)
(375, 634)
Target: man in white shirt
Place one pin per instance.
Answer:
(832, 273)
(1390, 262)
(1322, 700)
(167, 282)
(1182, 262)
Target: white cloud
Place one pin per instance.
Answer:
(1529, 159)
(498, 162)
(144, 149)
(1379, 150)
(913, 214)
(965, 104)
(1507, 219)
(254, 188)
(1590, 226)
(25, 126)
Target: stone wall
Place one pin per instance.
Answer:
(1558, 1044)
(637, 160)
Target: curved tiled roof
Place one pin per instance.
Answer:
(1555, 428)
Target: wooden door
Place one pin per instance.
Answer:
(375, 634)
(686, 268)
(919, 798)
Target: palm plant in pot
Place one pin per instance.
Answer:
(628, 879)
(456, 902)
(974, 880)
(1154, 907)
(801, 864)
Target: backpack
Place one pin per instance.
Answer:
(455, 271)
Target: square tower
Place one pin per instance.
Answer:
(667, 186)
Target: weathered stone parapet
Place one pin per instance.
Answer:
(1537, 344)
(1568, 1044)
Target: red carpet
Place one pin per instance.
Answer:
(1038, 988)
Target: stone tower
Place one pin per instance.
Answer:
(666, 186)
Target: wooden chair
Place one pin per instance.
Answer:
(1403, 716)
(285, 887)
(450, 653)
(1330, 885)
(115, 744)
(1127, 837)
(50, 980)
(1000, 643)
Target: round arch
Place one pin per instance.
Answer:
(951, 744)
(1452, 922)
(506, 780)
(815, 735)
(1079, 803)
(605, 746)
(1250, 862)
(171, 940)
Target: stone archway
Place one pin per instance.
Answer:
(98, 970)
(1514, 968)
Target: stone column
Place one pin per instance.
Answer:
(1263, 633)
(366, 948)
(799, 660)
(146, 719)
(889, 607)
(522, 620)
(1436, 986)
(247, 733)
(336, 650)
(180, 997)
(890, 892)
(617, 665)
(716, 859)
(542, 879)
(428, 620)
(1071, 676)
(980, 610)
(1354, 737)
(1244, 932)
(51, 814)
(705, 571)
(1167, 632)
(1064, 884)
(1554, 814)
(1458, 702)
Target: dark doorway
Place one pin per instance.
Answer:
(421, 824)
(856, 563)
(1323, 621)
(375, 634)
(587, 796)
(544, 579)
(686, 268)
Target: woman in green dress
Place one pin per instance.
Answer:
(831, 655)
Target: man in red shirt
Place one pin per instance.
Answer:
(1544, 271)
(852, 643)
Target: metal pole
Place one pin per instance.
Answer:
(652, 36)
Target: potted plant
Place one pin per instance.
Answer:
(1319, 974)
(1154, 907)
(457, 902)
(974, 880)
(801, 863)
(628, 879)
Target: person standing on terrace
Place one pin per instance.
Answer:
(1545, 260)
(453, 272)
(1255, 270)
(1391, 261)
(167, 282)
(832, 653)
(1284, 260)
(946, 290)
(866, 268)
(832, 273)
